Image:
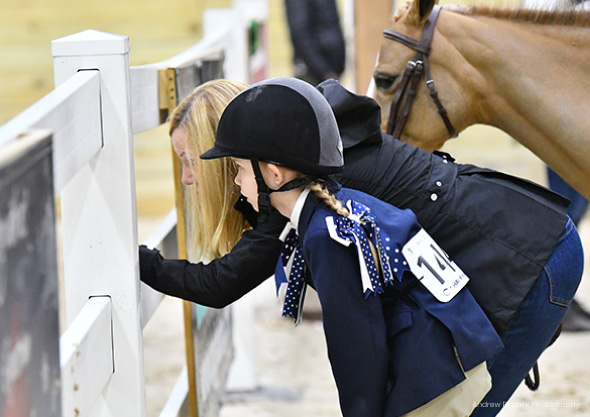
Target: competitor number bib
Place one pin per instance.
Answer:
(433, 267)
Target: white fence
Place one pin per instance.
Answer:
(98, 103)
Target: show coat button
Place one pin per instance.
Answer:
(433, 196)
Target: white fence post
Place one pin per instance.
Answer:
(99, 218)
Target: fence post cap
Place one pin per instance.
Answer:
(90, 42)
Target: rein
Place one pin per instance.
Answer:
(412, 75)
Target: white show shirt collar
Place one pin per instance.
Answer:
(298, 207)
(295, 214)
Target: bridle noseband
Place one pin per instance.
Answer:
(411, 77)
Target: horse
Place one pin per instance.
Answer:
(526, 72)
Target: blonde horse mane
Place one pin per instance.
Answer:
(568, 17)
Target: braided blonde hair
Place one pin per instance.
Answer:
(319, 187)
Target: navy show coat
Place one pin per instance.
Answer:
(392, 352)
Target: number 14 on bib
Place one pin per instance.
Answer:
(433, 267)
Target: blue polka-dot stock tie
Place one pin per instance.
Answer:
(289, 277)
(361, 228)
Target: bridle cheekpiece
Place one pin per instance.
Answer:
(412, 75)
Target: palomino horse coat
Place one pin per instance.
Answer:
(525, 72)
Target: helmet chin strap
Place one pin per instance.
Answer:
(264, 206)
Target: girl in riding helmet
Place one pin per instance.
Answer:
(404, 336)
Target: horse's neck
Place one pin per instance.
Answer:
(532, 81)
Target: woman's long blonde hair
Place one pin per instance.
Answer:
(213, 225)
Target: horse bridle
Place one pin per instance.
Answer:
(411, 77)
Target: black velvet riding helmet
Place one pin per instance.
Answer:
(284, 121)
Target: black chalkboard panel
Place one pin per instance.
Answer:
(29, 321)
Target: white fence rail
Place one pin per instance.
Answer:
(88, 339)
(163, 237)
(98, 103)
(72, 113)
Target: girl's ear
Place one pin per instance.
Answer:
(276, 176)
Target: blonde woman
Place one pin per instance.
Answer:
(215, 226)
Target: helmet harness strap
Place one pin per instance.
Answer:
(264, 191)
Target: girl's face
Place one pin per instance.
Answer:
(189, 163)
(246, 181)
(274, 177)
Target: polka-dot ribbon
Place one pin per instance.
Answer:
(361, 227)
(289, 277)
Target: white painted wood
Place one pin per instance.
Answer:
(254, 11)
(544, 4)
(211, 46)
(176, 404)
(144, 80)
(144, 97)
(99, 217)
(347, 25)
(162, 231)
(555, 4)
(72, 113)
(229, 27)
(90, 43)
(150, 301)
(86, 357)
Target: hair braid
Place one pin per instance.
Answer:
(319, 187)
